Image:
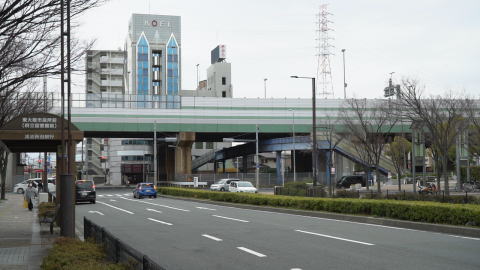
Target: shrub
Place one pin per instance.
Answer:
(73, 254)
(433, 212)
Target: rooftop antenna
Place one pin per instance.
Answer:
(324, 71)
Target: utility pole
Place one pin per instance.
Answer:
(197, 75)
(257, 164)
(155, 181)
(344, 83)
(265, 86)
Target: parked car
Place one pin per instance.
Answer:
(145, 190)
(85, 191)
(347, 181)
(223, 184)
(242, 186)
(22, 186)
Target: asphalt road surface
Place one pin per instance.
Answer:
(190, 235)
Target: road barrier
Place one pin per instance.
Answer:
(117, 250)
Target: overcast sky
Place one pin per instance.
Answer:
(434, 41)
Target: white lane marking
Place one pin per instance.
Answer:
(206, 208)
(296, 269)
(110, 195)
(338, 238)
(153, 210)
(112, 200)
(126, 194)
(161, 222)
(241, 220)
(346, 221)
(119, 195)
(161, 205)
(252, 252)
(464, 237)
(212, 237)
(97, 212)
(126, 211)
(100, 195)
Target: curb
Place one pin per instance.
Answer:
(421, 226)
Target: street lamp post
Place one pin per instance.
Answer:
(197, 74)
(344, 83)
(265, 87)
(294, 164)
(314, 129)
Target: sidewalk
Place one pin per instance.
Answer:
(23, 242)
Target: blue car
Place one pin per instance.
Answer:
(145, 190)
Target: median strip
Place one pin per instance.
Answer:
(334, 237)
(109, 205)
(212, 237)
(229, 218)
(161, 222)
(252, 252)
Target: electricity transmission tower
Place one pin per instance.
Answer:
(324, 71)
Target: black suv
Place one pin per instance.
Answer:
(346, 181)
(85, 191)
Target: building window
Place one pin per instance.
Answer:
(173, 78)
(198, 145)
(142, 66)
(209, 145)
(103, 77)
(224, 81)
(103, 88)
(103, 53)
(103, 65)
(224, 94)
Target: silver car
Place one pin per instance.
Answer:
(222, 184)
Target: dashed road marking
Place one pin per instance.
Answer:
(161, 205)
(114, 207)
(161, 222)
(97, 212)
(109, 195)
(338, 238)
(112, 200)
(206, 208)
(258, 254)
(212, 237)
(153, 210)
(229, 218)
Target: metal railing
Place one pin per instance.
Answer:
(117, 250)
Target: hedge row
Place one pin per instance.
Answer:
(73, 254)
(431, 212)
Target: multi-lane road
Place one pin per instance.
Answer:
(182, 234)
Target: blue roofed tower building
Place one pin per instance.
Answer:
(153, 66)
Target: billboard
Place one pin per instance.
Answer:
(218, 54)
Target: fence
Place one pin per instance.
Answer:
(116, 250)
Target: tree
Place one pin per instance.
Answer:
(368, 124)
(29, 49)
(329, 129)
(396, 151)
(444, 117)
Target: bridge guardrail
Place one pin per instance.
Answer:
(117, 250)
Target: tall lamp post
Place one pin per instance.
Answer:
(294, 164)
(344, 83)
(197, 74)
(265, 87)
(314, 129)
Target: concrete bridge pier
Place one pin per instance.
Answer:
(183, 152)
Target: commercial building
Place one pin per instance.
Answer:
(153, 66)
